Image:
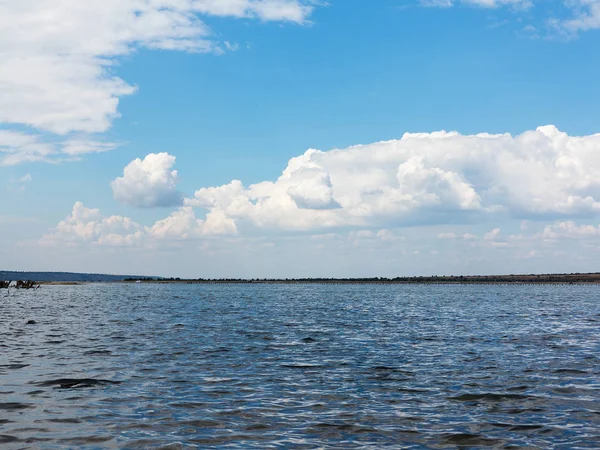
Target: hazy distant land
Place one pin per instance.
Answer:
(46, 277)
(71, 277)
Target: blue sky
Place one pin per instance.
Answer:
(221, 90)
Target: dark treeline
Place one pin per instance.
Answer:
(475, 279)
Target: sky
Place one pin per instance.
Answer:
(300, 138)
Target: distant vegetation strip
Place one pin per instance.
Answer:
(476, 279)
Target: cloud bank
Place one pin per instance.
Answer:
(439, 178)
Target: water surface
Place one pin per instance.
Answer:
(300, 367)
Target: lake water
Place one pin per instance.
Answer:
(300, 367)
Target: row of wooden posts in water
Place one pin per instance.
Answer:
(19, 284)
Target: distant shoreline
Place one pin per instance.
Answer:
(589, 278)
(52, 278)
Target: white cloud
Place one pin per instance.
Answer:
(57, 58)
(89, 226)
(492, 235)
(480, 3)
(437, 3)
(387, 235)
(149, 182)
(569, 229)
(439, 178)
(183, 224)
(585, 14)
(422, 178)
(18, 147)
(447, 236)
(19, 184)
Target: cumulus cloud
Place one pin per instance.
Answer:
(57, 58)
(422, 178)
(88, 226)
(569, 229)
(149, 182)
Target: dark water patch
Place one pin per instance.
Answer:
(217, 350)
(470, 440)
(85, 440)
(490, 397)
(525, 427)
(203, 423)
(31, 430)
(414, 390)
(7, 439)
(14, 406)
(571, 371)
(13, 366)
(37, 392)
(98, 353)
(62, 420)
(188, 405)
(518, 388)
(76, 383)
(259, 427)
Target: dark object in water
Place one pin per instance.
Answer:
(31, 322)
(29, 284)
(76, 383)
